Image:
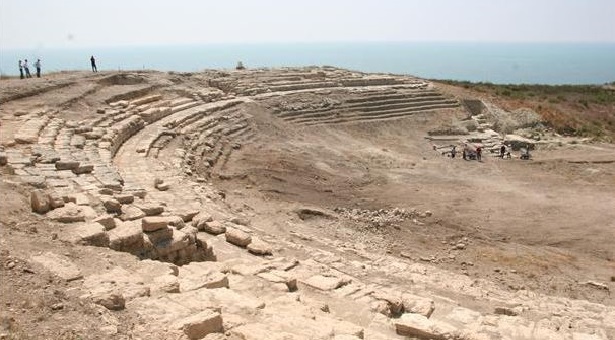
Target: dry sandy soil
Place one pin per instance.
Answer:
(546, 225)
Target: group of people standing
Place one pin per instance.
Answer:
(24, 69)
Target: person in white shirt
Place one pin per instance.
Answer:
(26, 68)
(20, 69)
(37, 64)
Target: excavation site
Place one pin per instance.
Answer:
(297, 203)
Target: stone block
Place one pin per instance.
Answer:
(290, 282)
(393, 301)
(89, 234)
(197, 326)
(200, 219)
(213, 227)
(131, 213)
(127, 237)
(187, 215)
(81, 199)
(112, 205)
(237, 237)
(55, 200)
(259, 247)
(153, 223)
(39, 201)
(163, 186)
(106, 221)
(125, 198)
(66, 165)
(179, 241)
(150, 209)
(159, 235)
(418, 305)
(83, 169)
(3, 159)
(176, 221)
(109, 300)
(418, 326)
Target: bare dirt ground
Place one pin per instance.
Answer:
(545, 225)
(549, 220)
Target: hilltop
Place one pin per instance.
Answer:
(300, 203)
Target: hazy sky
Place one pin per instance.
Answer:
(86, 23)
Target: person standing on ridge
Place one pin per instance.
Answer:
(37, 64)
(26, 68)
(93, 62)
(20, 69)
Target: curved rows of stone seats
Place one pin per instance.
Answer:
(264, 81)
(250, 291)
(376, 106)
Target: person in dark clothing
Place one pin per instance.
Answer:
(37, 64)
(502, 151)
(93, 62)
(479, 151)
(20, 69)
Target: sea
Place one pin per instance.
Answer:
(498, 63)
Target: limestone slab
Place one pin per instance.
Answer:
(60, 265)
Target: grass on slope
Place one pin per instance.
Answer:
(574, 110)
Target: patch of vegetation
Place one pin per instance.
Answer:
(575, 110)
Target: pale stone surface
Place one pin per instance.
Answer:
(68, 214)
(237, 237)
(199, 325)
(254, 331)
(417, 304)
(152, 268)
(117, 280)
(89, 234)
(59, 265)
(198, 275)
(341, 327)
(166, 284)
(416, 325)
(324, 283)
(276, 276)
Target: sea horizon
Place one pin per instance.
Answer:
(553, 63)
